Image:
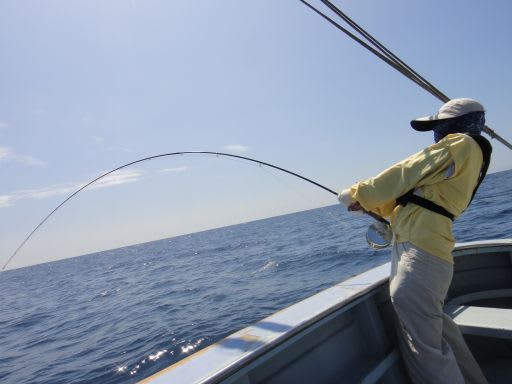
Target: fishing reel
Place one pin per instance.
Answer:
(379, 235)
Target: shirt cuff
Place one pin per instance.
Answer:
(345, 198)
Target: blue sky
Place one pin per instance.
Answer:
(89, 85)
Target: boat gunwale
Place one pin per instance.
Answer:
(327, 301)
(218, 361)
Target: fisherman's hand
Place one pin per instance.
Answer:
(354, 207)
(345, 199)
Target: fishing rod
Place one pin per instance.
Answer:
(378, 49)
(259, 162)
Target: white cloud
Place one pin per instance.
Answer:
(29, 160)
(237, 148)
(116, 178)
(5, 153)
(4, 124)
(8, 154)
(120, 177)
(98, 139)
(5, 201)
(45, 192)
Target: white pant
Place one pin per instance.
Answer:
(432, 345)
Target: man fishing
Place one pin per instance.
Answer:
(422, 195)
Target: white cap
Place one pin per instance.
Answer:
(449, 110)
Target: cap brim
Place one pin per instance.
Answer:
(428, 123)
(423, 124)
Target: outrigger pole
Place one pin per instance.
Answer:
(379, 50)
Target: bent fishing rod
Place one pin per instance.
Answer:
(219, 154)
(378, 49)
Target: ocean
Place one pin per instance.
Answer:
(119, 316)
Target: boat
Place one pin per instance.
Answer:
(346, 334)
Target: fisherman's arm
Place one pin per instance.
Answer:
(378, 194)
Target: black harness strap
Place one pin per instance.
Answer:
(486, 148)
(410, 197)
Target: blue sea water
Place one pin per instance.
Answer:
(121, 315)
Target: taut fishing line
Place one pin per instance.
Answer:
(228, 155)
(283, 182)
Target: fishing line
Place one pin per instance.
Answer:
(378, 49)
(217, 154)
(325, 211)
(281, 181)
(333, 220)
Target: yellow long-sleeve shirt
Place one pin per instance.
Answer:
(445, 173)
